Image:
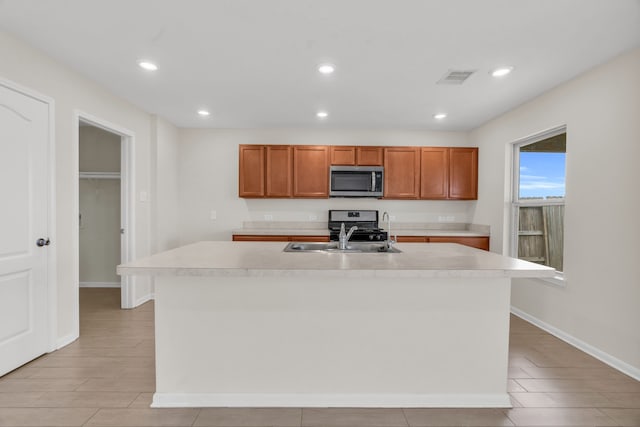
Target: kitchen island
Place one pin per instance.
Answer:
(246, 324)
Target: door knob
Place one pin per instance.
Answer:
(43, 242)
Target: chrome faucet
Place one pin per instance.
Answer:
(390, 241)
(343, 237)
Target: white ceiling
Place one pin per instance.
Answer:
(253, 63)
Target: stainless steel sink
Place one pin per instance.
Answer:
(332, 247)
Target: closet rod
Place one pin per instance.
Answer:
(99, 175)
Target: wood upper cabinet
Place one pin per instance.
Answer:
(311, 171)
(369, 156)
(434, 173)
(356, 156)
(343, 155)
(251, 179)
(279, 171)
(449, 173)
(463, 173)
(401, 172)
(428, 173)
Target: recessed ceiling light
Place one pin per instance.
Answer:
(203, 113)
(501, 71)
(322, 114)
(439, 116)
(326, 68)
(149, 66)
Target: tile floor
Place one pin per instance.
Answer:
(106, 378)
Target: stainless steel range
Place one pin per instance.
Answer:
(365, 220)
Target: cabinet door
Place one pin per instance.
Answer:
(463, 173)
(434, 173)
(259, 238)
(251, 175)
(311, 171)
(412, 239)
(401, 172)
(297, 238)
(279, 171)
(369, 156)
(474, 242)
(343, 156)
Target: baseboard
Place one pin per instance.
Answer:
(604, 357)
(144, 299)
(312, 400)
(99, 284)
(65, 341)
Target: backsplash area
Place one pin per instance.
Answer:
(402, 211)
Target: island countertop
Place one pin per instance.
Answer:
(251, 259)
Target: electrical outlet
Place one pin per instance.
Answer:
(268, 217)
(213, 215)
(392, 217)
(313, 217)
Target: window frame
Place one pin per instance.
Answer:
(516, 203)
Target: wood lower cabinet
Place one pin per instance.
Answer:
(278, 238)
(412, 239)
(278, 171)
(311, 171)
(463, 173)
(401, 172)
(480, 242)
(251, 180)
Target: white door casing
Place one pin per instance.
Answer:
(127, 204)
(25, 295)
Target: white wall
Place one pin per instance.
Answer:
(165, 170)
(601, 109)
(71, 91)
(208, 171)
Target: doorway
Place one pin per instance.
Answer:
(99, 219)
(104, 206)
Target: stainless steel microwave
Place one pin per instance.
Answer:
(356, 181)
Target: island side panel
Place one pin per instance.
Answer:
(305, 341)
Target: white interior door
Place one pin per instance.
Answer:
(24, 144)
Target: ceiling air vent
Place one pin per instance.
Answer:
(455, 77)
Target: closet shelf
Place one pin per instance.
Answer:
(99, 175)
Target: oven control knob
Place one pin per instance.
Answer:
(371, 236)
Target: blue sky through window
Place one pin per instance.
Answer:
(542, 174)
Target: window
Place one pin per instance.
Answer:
(538, 198)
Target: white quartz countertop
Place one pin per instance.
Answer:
(221, 258)
(317, 228)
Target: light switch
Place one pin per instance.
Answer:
(268, 217)
(213, 215)
(144, 197)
